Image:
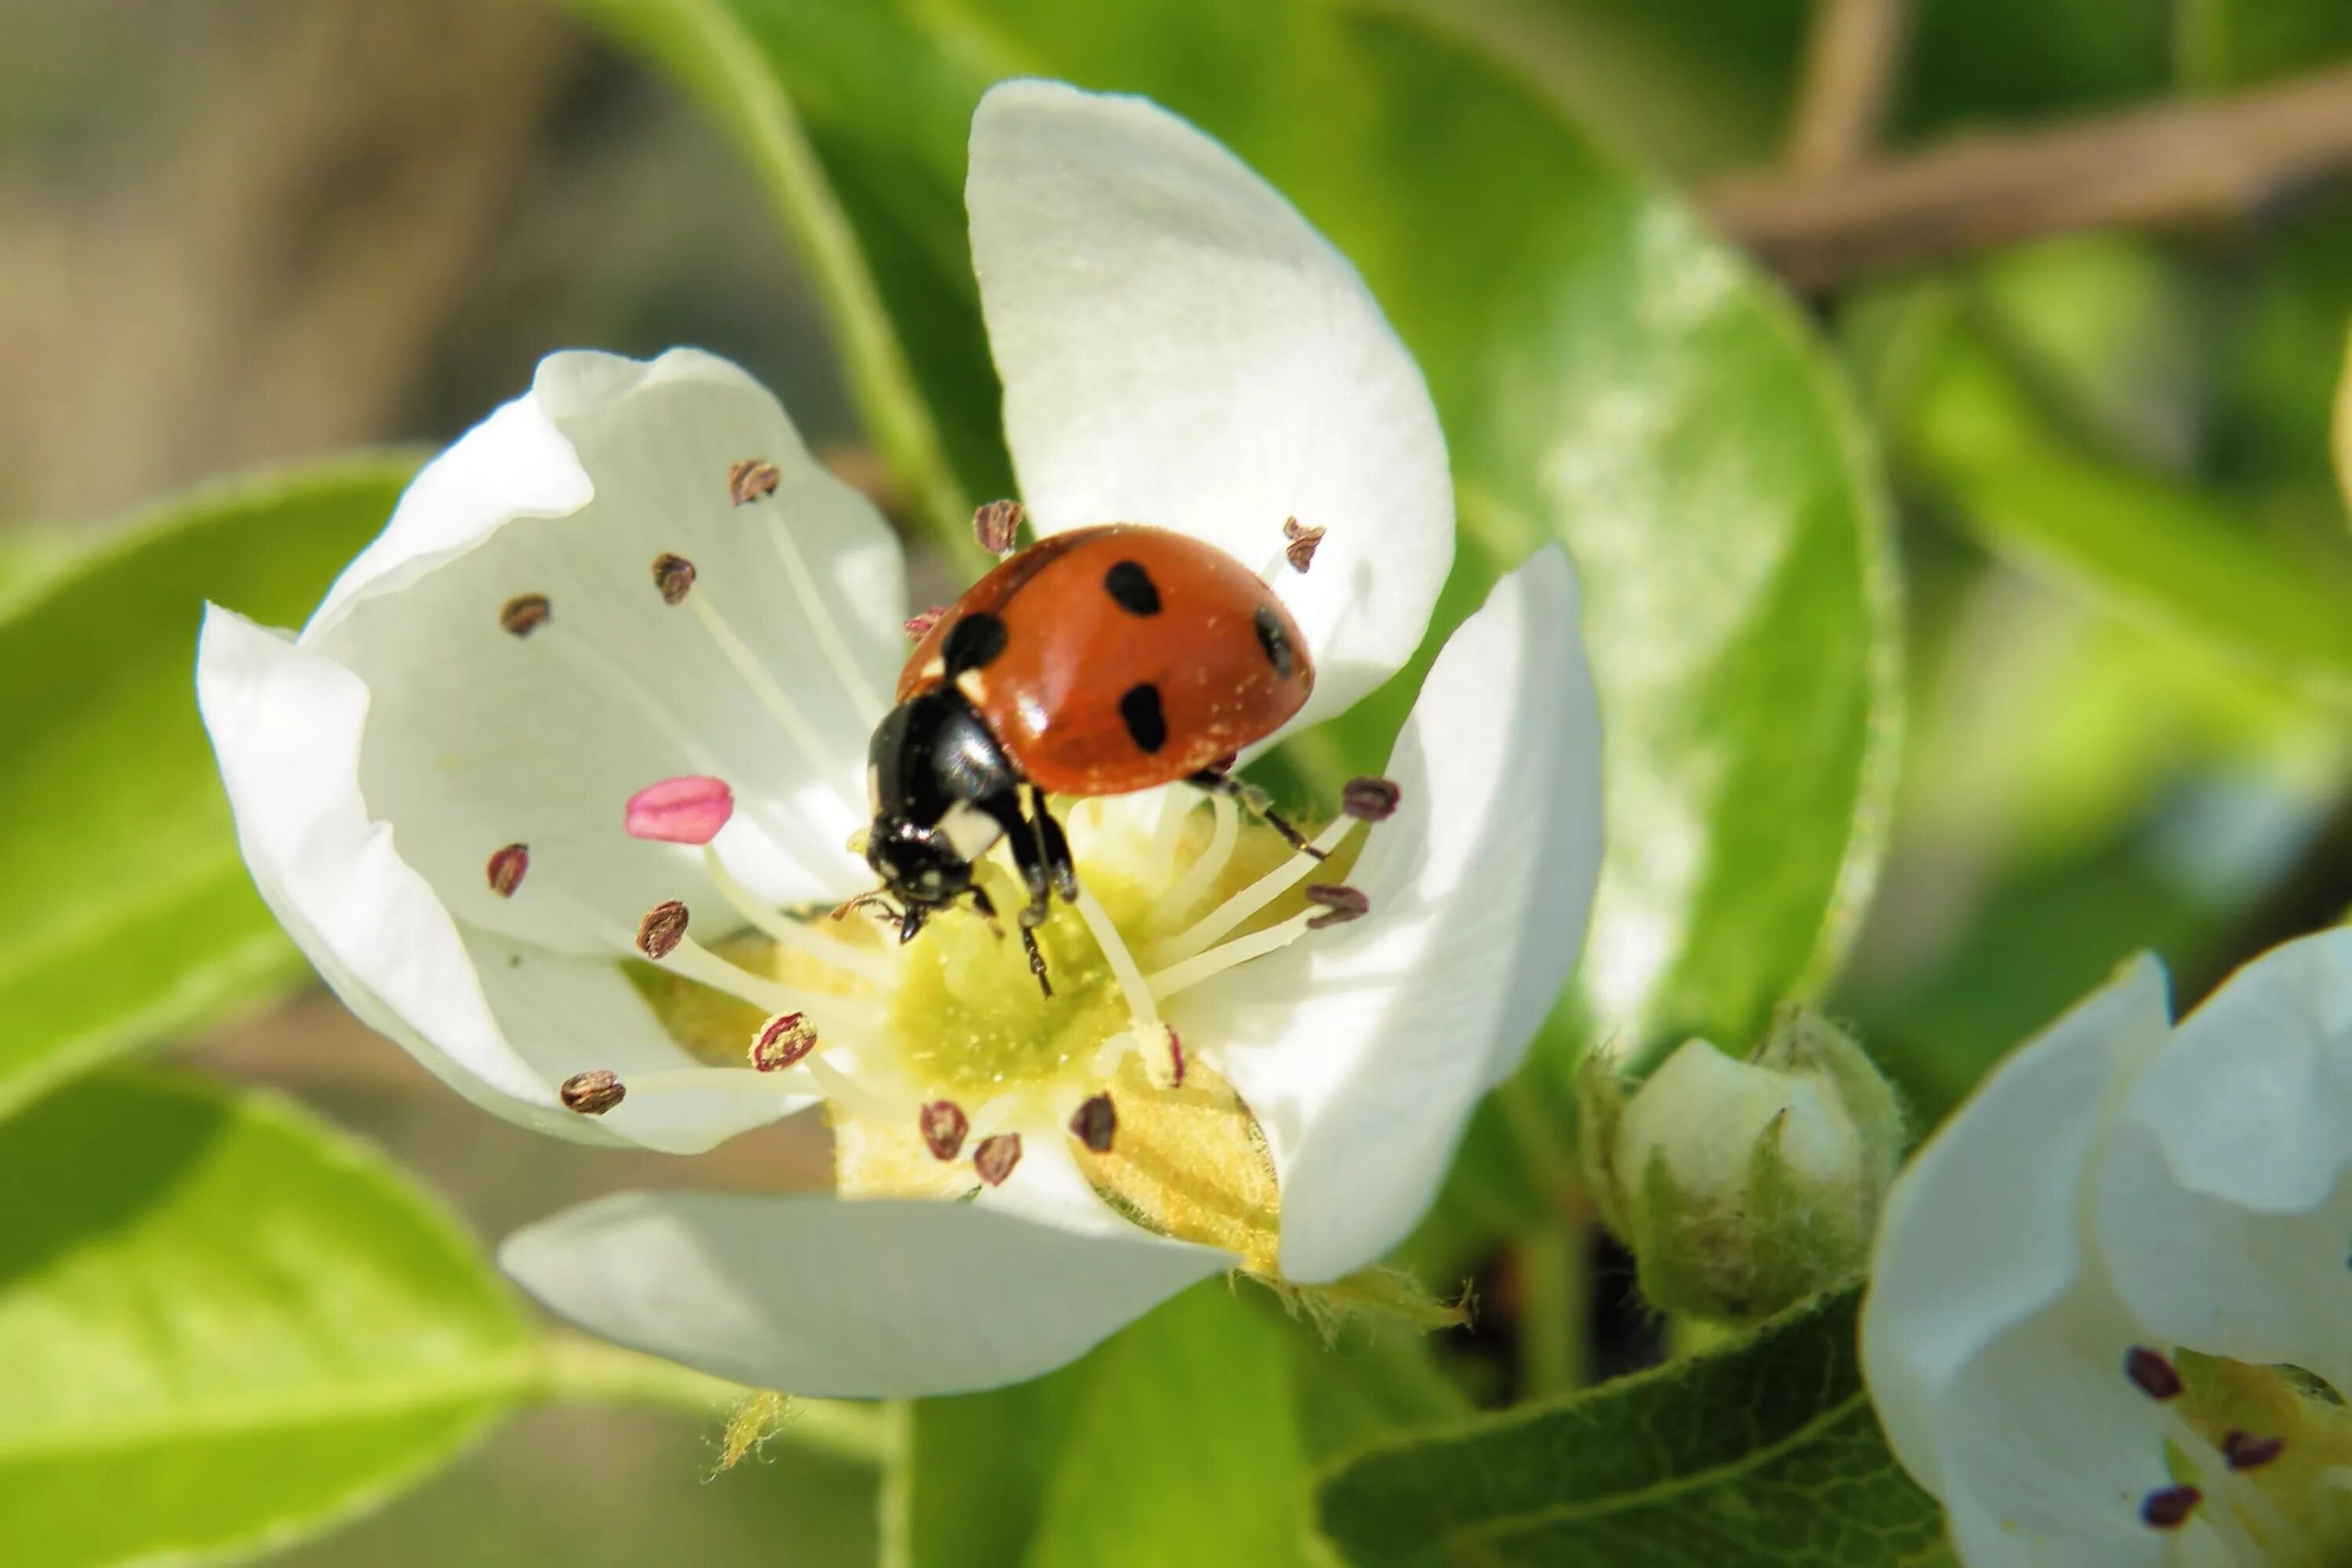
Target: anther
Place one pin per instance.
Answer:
(1340, 904)
(1095, 1123)
(995, 526)
(689, 809)
(748, 478)
(944, 1125)
(662, 930)
(674, 578)
(2168, 1508)
(2244, 1451)
(995, 1157)
(525, 614)
(1300, 550)
(2151, 1374)
(782, 1041)
(1369, 799)
(1175, 1060)
(919, 626)
(592, 1093)
(507, 867)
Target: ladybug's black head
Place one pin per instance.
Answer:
(918, 866)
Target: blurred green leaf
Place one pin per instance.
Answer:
(1607, 375)
(1763, 1453)
(226, 1326)
(135, 916)
(975, 1469)
(2236, 42)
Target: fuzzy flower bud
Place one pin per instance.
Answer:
(1745, 1186)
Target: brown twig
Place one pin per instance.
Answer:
(2224, 160)
(1852, 62)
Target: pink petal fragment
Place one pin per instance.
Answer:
(690, 809)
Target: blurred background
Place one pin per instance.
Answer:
(2081, 261)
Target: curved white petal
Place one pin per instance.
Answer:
(479, 738)
(1982, 1235)
(2225, 1205)
(1362, 1049)
(1179, 347)
(840, 1298)
(501, 1025)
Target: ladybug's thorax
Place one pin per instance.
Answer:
(938, 781)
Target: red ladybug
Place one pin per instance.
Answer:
(1095, 662)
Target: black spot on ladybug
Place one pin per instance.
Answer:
(1132, 586)
(971, 642)
(1146, 724)
(1276, 641)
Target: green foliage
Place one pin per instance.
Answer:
(226, 1326)
(1765, 1452)
(134, 914)
(2229, 44)
(1607, 375)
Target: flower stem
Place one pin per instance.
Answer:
(1556, 1309)
(583, 1371)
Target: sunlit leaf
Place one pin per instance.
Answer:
(224, 1327)
(132, 915)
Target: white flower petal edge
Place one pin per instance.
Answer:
(1363, 1049)
(1179, 347)
(1990, 1342)
(2225, 1207)
(838, 1299)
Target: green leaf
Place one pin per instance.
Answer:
(1607, 375)
(2226, 44)
(224, 1327)
(1765, 1452)
(134, 916)
(972, 1484)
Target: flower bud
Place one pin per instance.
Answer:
(1743, 1187)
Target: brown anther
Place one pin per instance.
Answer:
(1300, 550)
(748, 478)
(919, 626)
(525, 614)
(1224, 764)
(995, 526)
(507, 867)
(1340, 904)
(592, 1093)
(2168, 1508)
(995, 1157)
(781, 1041)
(662, 930)
(944, 1125)
(2151, 1374)
(674, 576)
(1095, 1123)
(2244, 1451)
(1369, 799)
(1175, 1060)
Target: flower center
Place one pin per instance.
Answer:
(2262, 1459)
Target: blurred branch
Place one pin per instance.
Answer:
(2191, 163)
(1852, 63)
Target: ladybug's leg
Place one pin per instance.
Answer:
(1059, 865)
(1254, 800)
(1006, 808)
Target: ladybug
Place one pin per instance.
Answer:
(1095, 662)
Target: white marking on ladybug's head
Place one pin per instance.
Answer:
(970, 831)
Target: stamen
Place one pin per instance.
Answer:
(995, 1157)
(851, 1095)
(592, 1093)
(661, 936)
(755, 676)
(722, 1081)
(2243, 1500)
(1340, 904)
(873, 968)
(1300, 550)
(1369, 799)
(525, 614)
(1253, 898)
(1203, 873)
(662, 928)
(689, 809)
(1123, 967)
(1183, 976)
(2168, 1508)
(1095, 1123)
(507, 867)
(781, 1041)
(920, 623)
(748, 478)
(817, 611)
(2151, 1374)
(944, 1126)
(997, 525)
(1175, 1060)
(2244, 1451)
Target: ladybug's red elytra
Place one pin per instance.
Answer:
(1095, 662)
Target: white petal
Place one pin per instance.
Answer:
(479, 739)
(1363, 1047)
(500, 1025)
(1179, 347)
(838, 1299)
(1983, 1230)
(2226, 1200)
